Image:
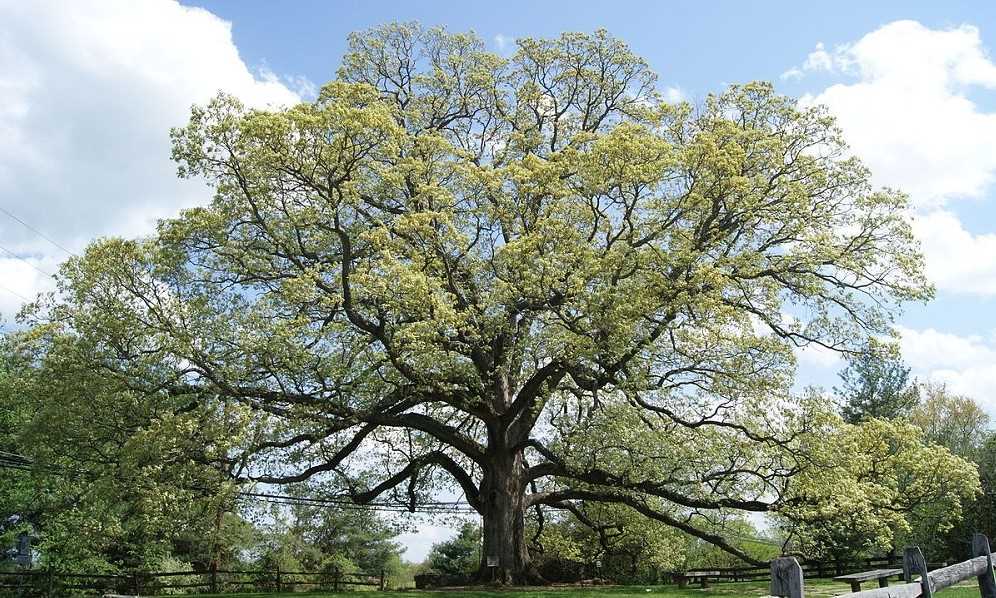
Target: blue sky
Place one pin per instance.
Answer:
(88, 91)
(699, 46)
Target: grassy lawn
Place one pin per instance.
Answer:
(814, 589)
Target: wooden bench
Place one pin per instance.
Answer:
(882, 575)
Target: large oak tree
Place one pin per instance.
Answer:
(529, 276)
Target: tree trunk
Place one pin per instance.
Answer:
(505, 556)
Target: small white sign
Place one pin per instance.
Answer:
(492, 561)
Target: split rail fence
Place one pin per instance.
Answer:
(42, 582)
(787, 576)
(811, 568)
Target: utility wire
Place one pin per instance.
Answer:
(452, 507)
(13, 292)
(424, 508)
(36, 231)
(17, 257)
(40, 234)
(19, 462)
(348, 500)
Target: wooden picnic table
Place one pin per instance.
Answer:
(692, 576)
(882, 575)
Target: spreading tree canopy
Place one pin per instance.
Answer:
(529, 276)
(874, 487)
(105, 478)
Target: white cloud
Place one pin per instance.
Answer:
(503, 41)
(957, 260)
(966, 364)
(905, 96)
(302, 86)
(673, 95)
(821, 60)
(819, 356)
(817, 60)
(905, 109)
(22, 279)
(88, 92)
(907, 114)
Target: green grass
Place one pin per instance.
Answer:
(814, 589)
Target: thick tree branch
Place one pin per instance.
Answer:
(556, 467)
(444, 433)
(642, 508)
(410, 470)
(328, 465)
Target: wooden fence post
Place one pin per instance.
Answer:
(987, 583)
(382, 587)
(51, 583)
(786, 578)
(914, 564)
(335, 579)
(279, 584)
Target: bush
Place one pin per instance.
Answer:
(169, 564)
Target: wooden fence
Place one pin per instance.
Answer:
(787, 576)
(49, 583)
(812, 568)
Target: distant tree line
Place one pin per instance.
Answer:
(104, 482)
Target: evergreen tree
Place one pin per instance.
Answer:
(876, 384)
(459, 555)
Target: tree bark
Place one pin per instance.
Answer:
(505, 556)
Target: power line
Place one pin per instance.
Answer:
(13, 292)
(434, 507)
(19, 462)
(347, 500)
(36, 231)
(379, 508)
(15, 256)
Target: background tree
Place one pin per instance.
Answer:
(110, 479)
(18, 511)
(617, 542)
(984, 509)
(959, 424)
(529, 276)
(876, 384)
(952, 421)
(876, 484)
(605, 540)
(460, 555)
(703, 555)
(307, 537)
